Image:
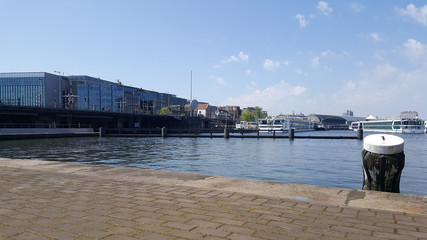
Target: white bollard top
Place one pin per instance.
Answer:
(383, 144)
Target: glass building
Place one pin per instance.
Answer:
(35, 89)
(40, 89)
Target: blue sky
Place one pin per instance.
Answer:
(285, 56)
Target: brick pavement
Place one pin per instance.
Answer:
(45, 204)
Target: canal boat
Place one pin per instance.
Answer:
(390, 126)
(281, 124)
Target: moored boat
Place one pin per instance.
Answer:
(281, 124)
(390, 126)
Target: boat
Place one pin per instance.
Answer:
(390, 126)
(246, 125)
(281, 124)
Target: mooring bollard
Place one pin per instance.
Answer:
(164, 132)
(291, 133)
(360, 134)
(383, 161)
(226, 133)
(101, 132)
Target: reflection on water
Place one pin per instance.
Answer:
(327, 162)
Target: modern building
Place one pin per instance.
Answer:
(36, 89)
(40, 89)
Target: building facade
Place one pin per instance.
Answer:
(40, 89)
(31, 89)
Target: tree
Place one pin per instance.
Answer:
(259, 113)
(247, 115)
(165, 111)
(251, 115)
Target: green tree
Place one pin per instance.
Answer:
(165, 111)
(251, 115)
(259, 113)
(247, 115)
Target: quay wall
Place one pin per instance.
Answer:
(8, 131)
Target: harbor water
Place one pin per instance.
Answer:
(322, 162)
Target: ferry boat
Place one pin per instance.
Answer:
(390, 126)
(246, 125)
(281, 124)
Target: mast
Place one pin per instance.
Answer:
(191, 85)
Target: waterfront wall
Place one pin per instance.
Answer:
(9, 131)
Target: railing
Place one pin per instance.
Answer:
(36, 125)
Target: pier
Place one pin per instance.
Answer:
(214, 133)
(53, 200)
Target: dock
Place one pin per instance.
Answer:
(54, 200)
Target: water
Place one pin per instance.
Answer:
(323, 162)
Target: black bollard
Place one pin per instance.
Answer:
(291, 133)
(360, 134)
(164, 132)
(226, 133)
(383, 161)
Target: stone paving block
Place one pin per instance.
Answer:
(152, 236)
(203, 224)
(238, 236)
(228, 221)
(179, 225)
(153, 227)
(211, 232)
(184, 234)
(236, 229)
(45, 204)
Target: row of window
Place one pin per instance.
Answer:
(22, 95)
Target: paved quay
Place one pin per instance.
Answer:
(53, 200)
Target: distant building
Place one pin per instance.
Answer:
(329, 121)
(234, 111)
(80, 92)
(204, 110)
(349, 113)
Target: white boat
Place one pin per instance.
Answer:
(280, 124)
(246, 125)
(390, 126)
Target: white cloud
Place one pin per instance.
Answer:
(278, 98)
(376, 37)
(315, 62)
(299, 71)
(418, 14)
(221, 81)
(357, 7)
(270, 65)
(415, 50)
(324, 8)
(384, 90)
(302, 21)
(241, 57)
(286, 63)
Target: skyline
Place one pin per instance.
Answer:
(321, 57)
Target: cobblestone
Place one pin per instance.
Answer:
(45, 204)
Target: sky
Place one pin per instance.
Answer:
(285, 56)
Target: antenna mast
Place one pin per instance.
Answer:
(191, 85)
